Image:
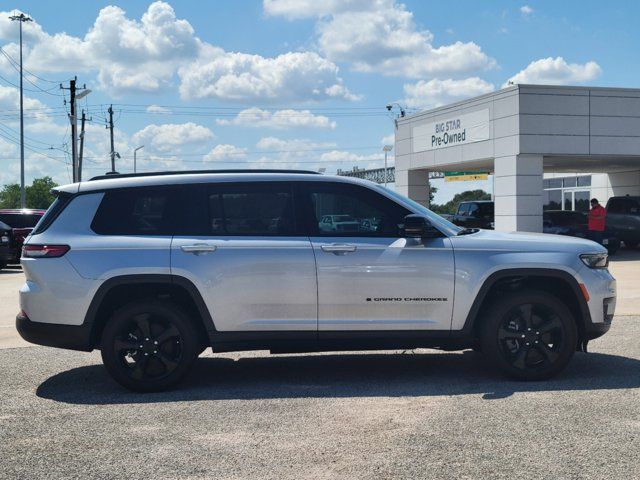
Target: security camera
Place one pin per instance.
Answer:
(389, 106)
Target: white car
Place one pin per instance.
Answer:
(153, 269)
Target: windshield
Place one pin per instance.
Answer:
(443, 225)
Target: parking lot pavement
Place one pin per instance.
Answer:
(11, 279)
(352, 415)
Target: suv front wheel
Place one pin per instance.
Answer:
(529, 335)
(149, 345)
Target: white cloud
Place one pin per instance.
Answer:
(225, 152)
(128, 55)
(280, 119)
(295, 146)
(556, 71)
(439, 92)
(526, 10)
(158, 109)
(168, 137)
(381, 36)
(148, 55)
(293, 76)
(388, 139)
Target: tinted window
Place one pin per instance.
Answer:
(52, 212)
(486, 209)
(251, 209)
(355, 211)
(20, 220)
(474, 210)
(141, 211)
(463, 209)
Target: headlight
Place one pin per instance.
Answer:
(595, 260)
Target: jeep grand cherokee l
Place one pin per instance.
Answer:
(153, 269)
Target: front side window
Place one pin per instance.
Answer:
(251, 209)
(353, 210)
(463, 209)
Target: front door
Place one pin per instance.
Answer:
(369, 276)
(253, 267)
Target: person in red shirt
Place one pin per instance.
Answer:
(597, 220)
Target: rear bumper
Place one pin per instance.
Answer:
(72, 337)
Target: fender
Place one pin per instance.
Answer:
(496, 277)
(168, 279)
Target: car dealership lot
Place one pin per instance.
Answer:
(376, 415)
(422, 414)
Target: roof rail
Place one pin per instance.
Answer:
(188, 172)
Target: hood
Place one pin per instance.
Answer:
(525, 242)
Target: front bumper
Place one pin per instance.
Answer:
(72, 337)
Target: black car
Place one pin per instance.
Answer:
(7, 249)
(475, 214)
(623, 219)
(575, 224)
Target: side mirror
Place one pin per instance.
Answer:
(416, 226)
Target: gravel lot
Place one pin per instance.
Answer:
(379, 415)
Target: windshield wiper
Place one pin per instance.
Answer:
(467, 231)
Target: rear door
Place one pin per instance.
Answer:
(250, 260)
(371, 278)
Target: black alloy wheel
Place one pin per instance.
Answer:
(530, 335)
(149, 346)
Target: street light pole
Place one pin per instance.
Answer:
(386, 149)
(23, 198)
(135, 158)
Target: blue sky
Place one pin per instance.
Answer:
(284, 83)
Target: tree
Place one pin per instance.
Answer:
(451, 207)
(38, 194)
(10, 196)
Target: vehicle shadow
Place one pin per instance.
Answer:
(625, 255)
(343, 376)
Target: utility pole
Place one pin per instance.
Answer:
(73, 117)
(23, 198)
(74, 128)
(113, 152)
(81, 146)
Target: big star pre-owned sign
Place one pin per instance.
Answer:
(449, 132)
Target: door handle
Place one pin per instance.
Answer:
(338, 248)
(198, 248)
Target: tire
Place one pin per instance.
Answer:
(132, 357)
(529, 335)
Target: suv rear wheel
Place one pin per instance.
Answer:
(149, 345)
(529, 335)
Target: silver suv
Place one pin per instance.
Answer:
(153, 269)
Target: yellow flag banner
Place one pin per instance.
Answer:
(464, 176)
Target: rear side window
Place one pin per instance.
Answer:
(142, 211)
(254, 208)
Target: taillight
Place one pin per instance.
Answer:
(44, 251)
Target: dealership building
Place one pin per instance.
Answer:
(548, 147)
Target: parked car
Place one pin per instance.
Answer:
(623, 219)
(7, 253)
(575, 224)
(130, 265)
(475, 214)
(22, 222)
(339, 223)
